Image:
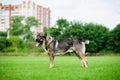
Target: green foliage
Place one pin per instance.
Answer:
(3, 41)
(16, 25)
(30, 22)
(20, 26)
(29, 47)
(40, 49)
(9, 49)
(96, 33)
(101, 39)
(3, 34)
(75, 30)
(114, 39)
(59, 30)
(62, 23)
(16, 43)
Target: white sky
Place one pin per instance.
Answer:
(106, 12)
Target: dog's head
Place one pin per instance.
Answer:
(40, 38)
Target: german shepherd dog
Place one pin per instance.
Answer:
(55, 46)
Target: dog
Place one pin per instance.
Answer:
(55, 46)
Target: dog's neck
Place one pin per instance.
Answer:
(47, 42)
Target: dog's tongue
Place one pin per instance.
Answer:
(37, 44)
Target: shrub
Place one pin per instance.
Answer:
(9, 49)
(40, 49)
(3, 34)
(3, 43)
(16, 43)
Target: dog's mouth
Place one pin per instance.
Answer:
(38, 42)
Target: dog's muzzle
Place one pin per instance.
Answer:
(38, 42)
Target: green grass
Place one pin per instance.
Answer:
(66, 68)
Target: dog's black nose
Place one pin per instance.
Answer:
(37, 40)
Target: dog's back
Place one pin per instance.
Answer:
(64, 44)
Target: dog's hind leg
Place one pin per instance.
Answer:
(83, 60)
(80, 52)
(81, 56)
(51, 56)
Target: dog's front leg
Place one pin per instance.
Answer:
(51, 56)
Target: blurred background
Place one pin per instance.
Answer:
(96, 20)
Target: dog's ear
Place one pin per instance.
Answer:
(38, 34)
(45, 34)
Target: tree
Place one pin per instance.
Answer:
(96, 33)
(15, 43)
(59, 29)
(75, 30)
(114, 39)
(16, 27)
(21, 26)
(29, 22)
(3, 40)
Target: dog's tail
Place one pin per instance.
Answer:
(87, 41)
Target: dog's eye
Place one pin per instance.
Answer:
(43, 37)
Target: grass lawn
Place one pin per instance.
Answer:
(66, 68)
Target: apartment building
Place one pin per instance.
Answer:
(26, 8)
